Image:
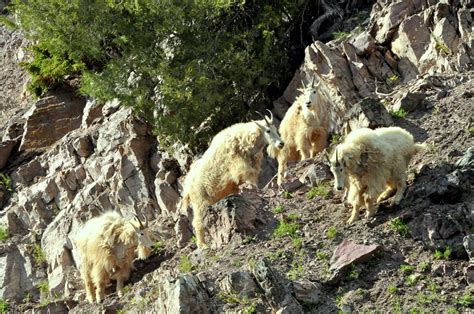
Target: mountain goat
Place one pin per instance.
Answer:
(373, 163)
(234, 157)
(301, 130)
(108, 245)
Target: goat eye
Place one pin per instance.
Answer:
(268, 131)
(314, 92)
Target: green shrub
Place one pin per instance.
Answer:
(321, 190)
(38, 255)
(6, 181)
(4, 306)
(189, 68)
(399, 226)
(407, 269)
(4, 235)
(278, 209)
(185, 265)
(285, 229)
(400, 113)
(331, 233)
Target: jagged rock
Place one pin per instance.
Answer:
(267, 171)
(26, 173)
(83, 146)
(409, 101)
(307, 292)
(16, 272)
(363, 43)
(183, 231)
(92, 113)
(292, 185)
(229, 220)
(276, 289)
(51, 118)
(316, 174)
(280, 107)
(468, 243)
(181, 295)
(347, 253)
(467, 160)
(391, 16)
(469, 273)
(110, 107)
(442, 269)
(166, 196)
(368, 113)
(442, 226)
(241, 283)
(5, 150)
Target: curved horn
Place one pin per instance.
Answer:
(337, 161)
(271, 115)
(263, 117)
(312, 83)
(140, 222)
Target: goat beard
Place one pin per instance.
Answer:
(143, 252)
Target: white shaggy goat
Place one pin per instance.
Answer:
(373, 163)
(108, 245)
(234, 157)
(301, 130)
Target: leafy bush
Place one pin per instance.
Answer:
(285, 229)
(189, 68)
(399, 226)
(3, 234)
(4, 306)
(400, 113)
(331, 233)
(185, 265)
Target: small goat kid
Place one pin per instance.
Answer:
(234, 157)
(108, 245)
(301, 130)
(372, 164)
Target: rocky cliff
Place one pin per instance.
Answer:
(64, 159)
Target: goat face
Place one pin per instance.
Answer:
(338, 170)
(309, 99)
(144, 239)
(270, 132)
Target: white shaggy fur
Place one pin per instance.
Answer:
(108, 245)
(301, 130)
(234, 157)
(373, 163)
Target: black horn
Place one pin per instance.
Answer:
(271, 115)
(263, 117)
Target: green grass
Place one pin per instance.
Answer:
(6, 181)
(157, 248)
(4, 306)
(4, 235)
(470, 131)
(439, 255)
(320, 190)
(353, 273)
(400, 113)
(234, 298)
(335, 139)
(465, 300)
(285, 229)
(407, 269)
(287, 195)
(412, 279)
(341, 35)
(185, 265)
(394, 80)
(297, 243)
(392, 289)
(38, 255)
(399, 226)
(331, 233)
(321, 256)
(441, 46)
(424, 266)
(278, 209)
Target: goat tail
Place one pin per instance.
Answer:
(421, 147)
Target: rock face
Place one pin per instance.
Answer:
(368, 113)
(347, 71)
(51, 118)
(347, 253)
(277, 290)
(181, 295)
(230, 220)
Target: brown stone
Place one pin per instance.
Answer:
(51, 118)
